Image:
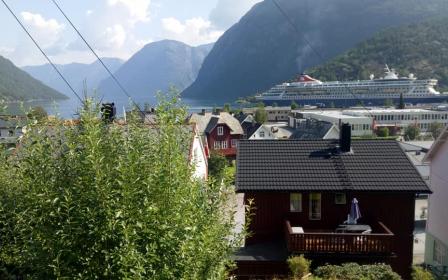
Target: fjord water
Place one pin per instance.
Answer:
(69, 108)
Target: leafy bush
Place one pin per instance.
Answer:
(354, 271)
(411, 132)
(383, 132)
(217, 165)
(299, 266)
(97, 201)
(419, 273)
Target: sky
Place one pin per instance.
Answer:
(115, 28)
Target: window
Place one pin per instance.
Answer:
(295, 202)
(234, 143)
(340, 198)
(439, 252)
(261, 133)
(315, 206)
(220, 130)
(224, 145)
(217, 145)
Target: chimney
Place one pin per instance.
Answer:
(345, 139)
(203, 112)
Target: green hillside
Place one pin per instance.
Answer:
(17, 85)
(421, 49)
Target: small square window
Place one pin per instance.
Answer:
(295, 202)
(234, 143)
(261, 133)
(340, 198)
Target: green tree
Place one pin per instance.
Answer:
(436, 129)
(294, 105)
(411, 132)
(37, 113)
(96, 201)
(383, 132)
(401, 105)
(227, 108)
(261, 115)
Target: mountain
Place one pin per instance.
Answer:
(75, 73)
(156, 67)
(17, 85)
(421, 49)
(263, 49)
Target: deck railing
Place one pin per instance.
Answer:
(349, 243)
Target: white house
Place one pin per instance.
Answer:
(361, 125)
(436, 251)
(198, 155)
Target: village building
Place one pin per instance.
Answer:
(436, 251)
(220, 131)
(304, 192)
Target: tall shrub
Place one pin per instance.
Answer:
(97, 201)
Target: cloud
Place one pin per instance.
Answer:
(116, 36)
(5, 51)
(228, 12)
(46, 31)
(194, 31)
(138, 9)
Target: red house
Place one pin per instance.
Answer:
(220, 130)
(303, 191)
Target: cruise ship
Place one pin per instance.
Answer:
(309, 91)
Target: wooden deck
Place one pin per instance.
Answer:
(348, 243)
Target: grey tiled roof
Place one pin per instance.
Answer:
(313, 129)
(207, 122)
(315, 165)
(250, 128)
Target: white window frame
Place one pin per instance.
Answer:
(262, 134)
(317, 215)
(220, 130)
(224, 145)
(295, 202)
(217, 145)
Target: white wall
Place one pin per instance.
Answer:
(198, 159)
(258, 135)
(437, 223)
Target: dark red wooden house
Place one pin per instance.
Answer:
(302, 192)
(221, 131)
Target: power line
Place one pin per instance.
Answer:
(301, 34)
(41, 50)
(98, 57)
